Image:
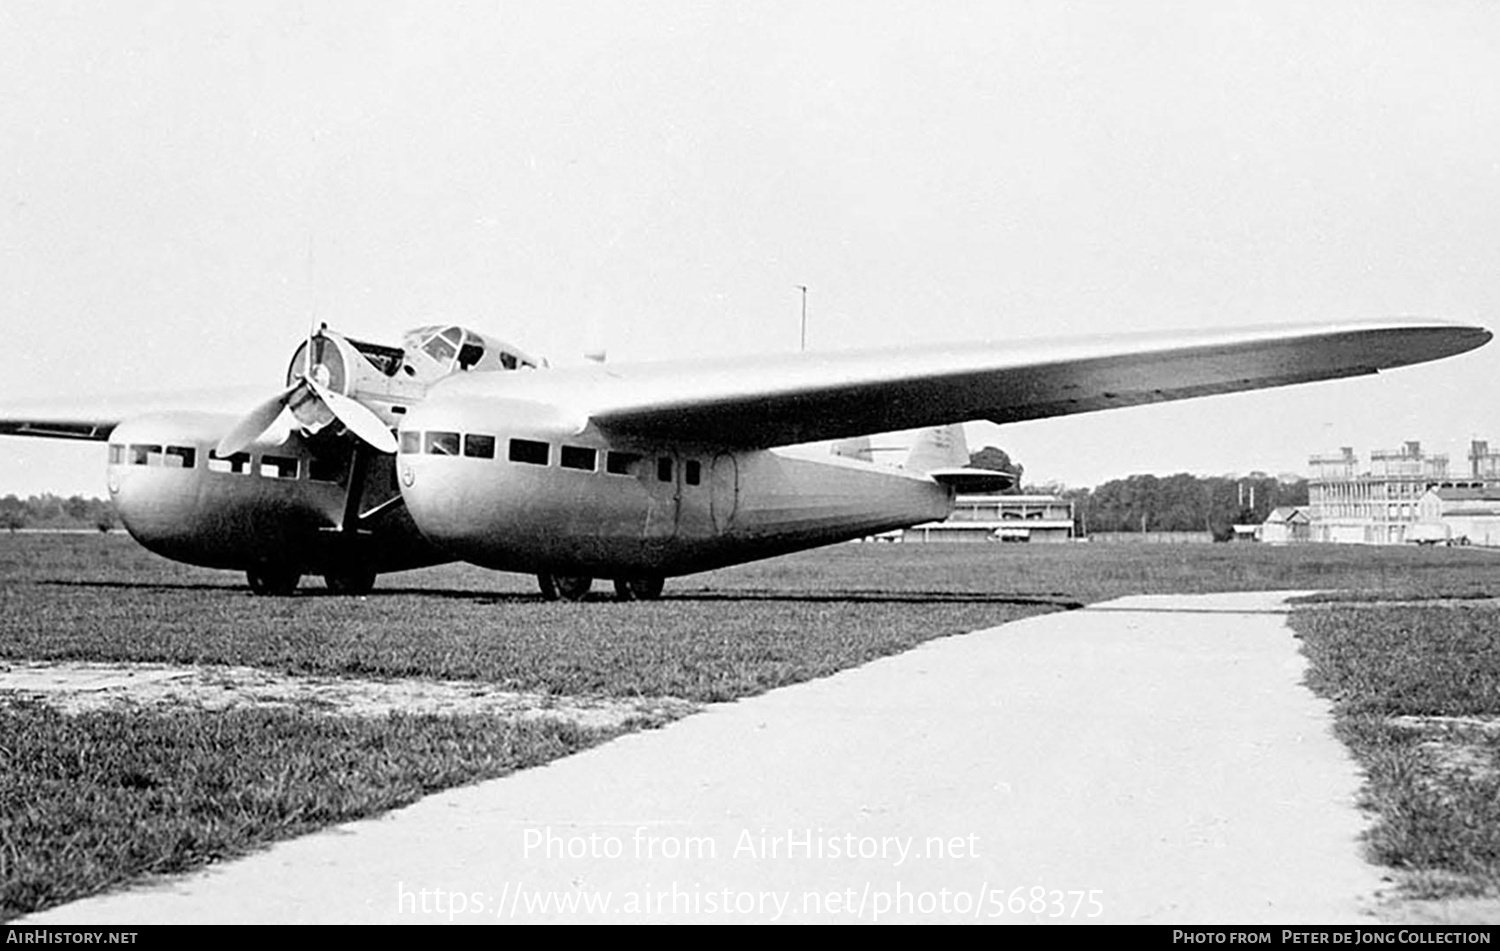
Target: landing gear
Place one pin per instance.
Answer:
(350, 581)
(639, 589)
(566, 587)
(270, 580)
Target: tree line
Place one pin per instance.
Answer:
(54, 511)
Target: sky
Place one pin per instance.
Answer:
(187, 186)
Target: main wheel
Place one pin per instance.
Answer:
(566, 587)
(573, 587)
(351, 581)
(639, 589)
(267, 580)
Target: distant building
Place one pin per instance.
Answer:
(1381, 504)
(1005, 518)
(1467, 515)
(1285, 525)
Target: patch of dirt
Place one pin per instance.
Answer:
(1455, 747)
(81, 687)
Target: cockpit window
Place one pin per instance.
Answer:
(439, 349)
(455, 348)
(469, 354)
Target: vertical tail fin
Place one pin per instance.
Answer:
(938, 447)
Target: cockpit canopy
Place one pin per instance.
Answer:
(357, 368)
(452, 348)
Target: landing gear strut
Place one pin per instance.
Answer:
(566, 587)
(639, 589)
(270, 580)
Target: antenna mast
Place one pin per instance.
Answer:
(803, 289)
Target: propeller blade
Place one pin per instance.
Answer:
(356, 417)
(247, 430)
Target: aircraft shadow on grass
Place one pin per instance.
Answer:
(1058, 602)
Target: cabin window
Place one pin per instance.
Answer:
(664, 469)
(692, 472)
(144, 454)
(442, 444)
(529, 451)
(278, 467)
(180, 457)
(578, 457)
(508, 360)
(116, 454)
(479, 447)
(239, 462)
(621, 463)
(411, 443)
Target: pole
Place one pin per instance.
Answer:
(803, 288)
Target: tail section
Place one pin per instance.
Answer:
(856, 447)
(942, 454)
(939, 447)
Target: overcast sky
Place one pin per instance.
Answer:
(187, 184)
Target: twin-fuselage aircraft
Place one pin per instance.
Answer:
(456, 446)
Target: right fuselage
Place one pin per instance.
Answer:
(516, 487)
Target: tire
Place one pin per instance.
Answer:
(548, 586)
(573, 587)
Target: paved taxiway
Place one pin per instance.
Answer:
(1151, 759)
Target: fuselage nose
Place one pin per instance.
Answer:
(153, 474)
(507, 483)
(179, 500)
(448, 469)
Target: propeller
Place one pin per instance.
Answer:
(314, 405)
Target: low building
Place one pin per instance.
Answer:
(1467, 515)
(1284, 526)
(1005, 518)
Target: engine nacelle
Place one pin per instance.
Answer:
(389, 380)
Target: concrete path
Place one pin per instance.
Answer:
(1152, 759)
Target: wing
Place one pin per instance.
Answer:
(780, 400)
(94, 418)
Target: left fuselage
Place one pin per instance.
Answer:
(284, 501)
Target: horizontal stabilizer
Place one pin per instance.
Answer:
(968, 480)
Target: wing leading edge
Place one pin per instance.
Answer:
(94, 418)
(780, 400)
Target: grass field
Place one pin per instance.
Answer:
(92, 800)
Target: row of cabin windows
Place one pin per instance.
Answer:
(534, 453)
(186, 457)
